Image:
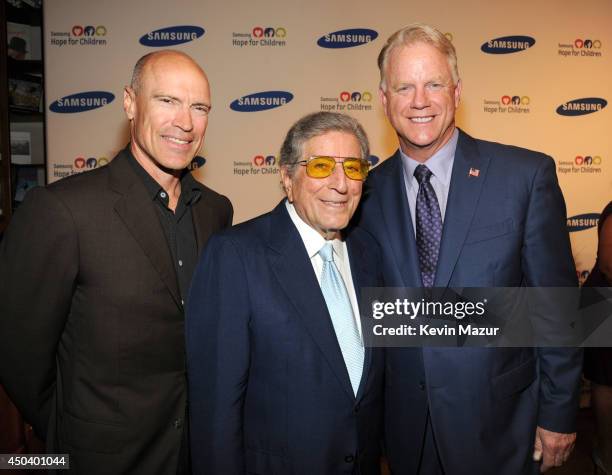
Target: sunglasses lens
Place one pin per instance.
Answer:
(320, 167)
(355, 169)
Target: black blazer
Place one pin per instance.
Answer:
(91, 322)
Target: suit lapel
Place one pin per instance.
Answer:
(461, 205)
(136, 210)
(361, 271)
(297, 279)
(396, 214)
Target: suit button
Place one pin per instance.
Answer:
(356, 408)
(349, 459)
(178, 423)
(422, 385)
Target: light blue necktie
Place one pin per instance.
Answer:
(341, 312)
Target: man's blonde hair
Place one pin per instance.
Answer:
(418, 33)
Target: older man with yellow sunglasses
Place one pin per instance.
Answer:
(280, 381)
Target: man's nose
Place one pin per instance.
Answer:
(183, 119)
(338, 179)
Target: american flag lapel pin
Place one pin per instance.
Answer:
(474, 172)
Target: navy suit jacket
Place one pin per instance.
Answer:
(269, 390)
(502, 228)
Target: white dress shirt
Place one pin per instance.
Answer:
(313, 242)
(441, 165)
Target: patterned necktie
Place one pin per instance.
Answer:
(341, 313)
(428, 226)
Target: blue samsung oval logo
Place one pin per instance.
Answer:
(261, 101)
(172, 35)
(581, 222)
(584, 106)
(373, 159)
(347, 38)
(81, 102)
(508, 44)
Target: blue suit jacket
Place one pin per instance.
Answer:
(504, 228)
(269, 390)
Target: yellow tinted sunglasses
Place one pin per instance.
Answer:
(323, 166)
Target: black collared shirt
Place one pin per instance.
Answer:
(177, 225)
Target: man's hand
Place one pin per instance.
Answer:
(552, 448)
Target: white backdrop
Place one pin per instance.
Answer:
(564, 54)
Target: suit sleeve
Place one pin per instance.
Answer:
(38, 265)
(217, 340)
(548, 262)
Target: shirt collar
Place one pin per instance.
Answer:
(191, 189)
(313, 241)
(440, 163)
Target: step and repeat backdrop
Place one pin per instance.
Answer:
(535, 74)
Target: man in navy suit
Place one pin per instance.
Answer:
(450, 210)
(279, 380)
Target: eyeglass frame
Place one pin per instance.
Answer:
(304, 163)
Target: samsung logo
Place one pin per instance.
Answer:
(507, 44)
(582, 222)
(172, 35)
(373, 159)
(347, 38)
(81, 102)
(261, 101)
(587, 105)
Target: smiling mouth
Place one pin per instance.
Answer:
(334, 204)
(176, 140)
(422, 120)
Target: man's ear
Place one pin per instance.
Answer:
(287, 182)
(458, 93)
(129, 102)
(383, 99)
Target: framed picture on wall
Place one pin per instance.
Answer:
(19, 44)
(37, 140)
(25, 93)
(21, 148)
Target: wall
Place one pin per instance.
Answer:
(565, 55)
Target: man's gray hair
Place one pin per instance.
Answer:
(413, 34)
(137, 72)
(313, 125)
